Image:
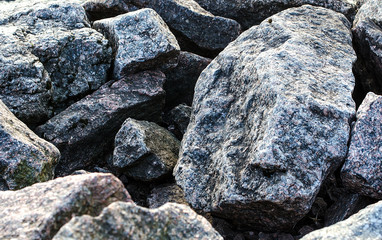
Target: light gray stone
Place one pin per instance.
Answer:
(271, 119)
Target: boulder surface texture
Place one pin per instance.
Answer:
(37, 212)
(270, 120)
(24, 157)
(127, 221)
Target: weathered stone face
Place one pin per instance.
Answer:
(270, 120)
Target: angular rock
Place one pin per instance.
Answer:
(144, 150)
(127, 221)
(99, 9)
(181, 80)
(270, 120)
(252, 12)
(140, 40)
(195, 23)
(24, 157)
(362, 170)
(49, 56)
(164, 194)
(366, 224)
(179, 118)
(85, 129)
(367, 31)
(39, 211)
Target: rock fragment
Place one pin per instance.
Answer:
(38, 211)
(125, 220)
(179, 118)
(270, 120)
(166, 193)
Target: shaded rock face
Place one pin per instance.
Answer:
(140, 40)
(144, 150)
(366, 224)
(24, 157)
(85, 129)
(179, 118)
(38, 211)
(270, 120)
(50, 57)
(98, 9)
(252, 12)
(164, 194)
(195, 23)
(127, 221)
(362, 171)
(367, 31)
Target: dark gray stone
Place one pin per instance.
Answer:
(366, 224)
(164, 194)
(25, 158)
(38, 212)
(270, 120)
(127, 221)
(99, 9)
(252, 12)
(87, 128)
(144, 150)
(362, 171)
(179, 118)
(195, 23)
(140, 40)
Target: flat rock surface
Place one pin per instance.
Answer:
(86, 128)
(270, 120)
(37, 212)
(24, 157)
(366, 224)
(166, 193)
(127, 221)
(362, 170)
(140, 40)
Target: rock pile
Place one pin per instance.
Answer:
(243, 114)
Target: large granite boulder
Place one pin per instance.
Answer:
(144, 150)
(140, 40)
(39, 211)
(87, 128)
(367, 31)
(362, 171)
(49, 56)
(127, 221)
(366, 224)
(252, 12)
(24, 157)
(195, 23)
(270, 120)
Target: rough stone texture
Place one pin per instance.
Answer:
(362, 171)
(49, 57)
(140, 40)
(98, 9)
(179, 118)
(367, 31)
(37, 212)
(144, 150)
(24, 157)
(366, 224)
(164, 194)
(252, 12)
(270, 120)
(127, 221)
(180, 82)
(192, 21)
(87, 127)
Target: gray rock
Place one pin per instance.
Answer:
(179, 118)
(144, 150)
(181, 80)
(252, 12)
(140, 40)
(85, 129)
(164, 194)
(127, 221)
(50, 57)
(195, 23)
(366, 224)
(362, 170)
(367, 31)
(39, 211)
(24, 157)
(99, 9)
(270, 120)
